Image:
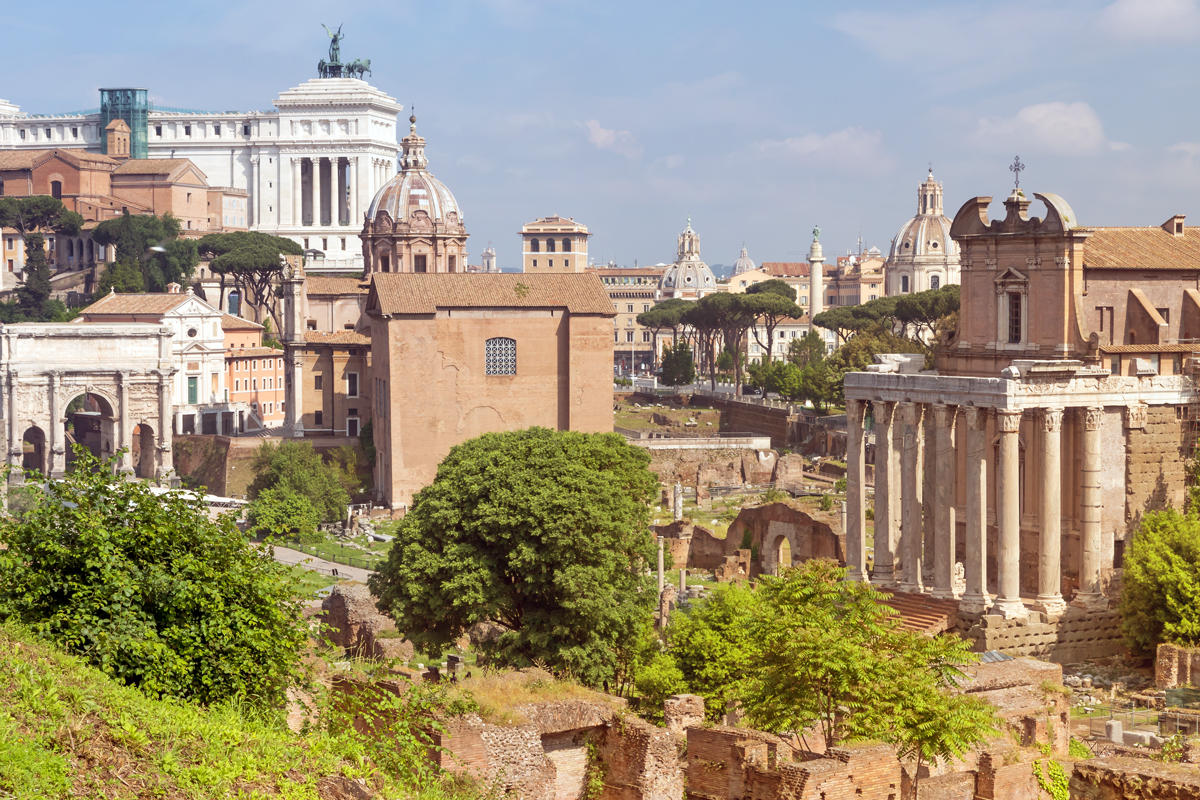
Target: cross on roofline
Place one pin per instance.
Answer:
(1015, 168)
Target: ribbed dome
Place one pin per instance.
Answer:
(414, 188)
(744, 263)
(927, 235)
(688, 273)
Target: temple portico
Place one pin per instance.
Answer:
(1026, 472)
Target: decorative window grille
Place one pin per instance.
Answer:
(501, 356)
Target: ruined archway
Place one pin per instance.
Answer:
(89, 421)
(33, 450)
(142, 454)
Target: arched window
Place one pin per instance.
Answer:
(500, 356)
(549, 245)
(566, 245)
(935, 282)
(535, 245)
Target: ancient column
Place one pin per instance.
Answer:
(316, 191)
(254, 187)
(944, 523)
(124, 429)
(662, 575)
(887, 484)
(856, 479)
(1049, 595)
(165, 426)
(912, 480)
(56, 451)
(352, 177)
(975, 598)
(1089, 594)
(1008, 515)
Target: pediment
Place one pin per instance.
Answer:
(1011, 275)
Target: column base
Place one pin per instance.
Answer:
(1091, 601)
(857, 575)
(1010, 609)
(911, 588)
(883, 576)
(1051, 604)
(974, 604)
(940, 593)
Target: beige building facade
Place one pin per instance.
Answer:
(633, 291)
(456, 356)
(554, 244)
(1010, 478)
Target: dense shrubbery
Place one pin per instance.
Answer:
(1160, 595)
(297, 473)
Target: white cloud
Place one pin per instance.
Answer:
(1151, 20)
(1055, 128)
(620, 142)
(672, 161)
(854, 149)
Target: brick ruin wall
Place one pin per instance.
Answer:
(1155, 467)
(1125, 778)
(1176, 666)
(1078, 635)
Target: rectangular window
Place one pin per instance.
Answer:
(453, 263)
(245, 130)
(1014, 318)
(351, 384)
(254, 384)
(158, 130)
(193, 389)
(419, 263)
(1165, 313)
(74, 133)
(629, 308)
(187, 130)
(645, 336)
(318, 418)
(217, 129)
(629, 336)
(352, 426)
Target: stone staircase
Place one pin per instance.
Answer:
(919, 612)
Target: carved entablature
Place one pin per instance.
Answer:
(1033, 262)
(972, 217)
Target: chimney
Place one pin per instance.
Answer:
(1174, 225)
(172, 288)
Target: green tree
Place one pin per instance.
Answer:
(35, 291)
(769, 310)
(32, 217)
(859, 352)
(710, 646)
(297, 468)
(776, 286)
(1160, 591)
(826, 652)
(807, 349)
(121, 277)
(664, 316)
(922, 311)
(543, 532)
(149, 589)
(279, 512)
(678, 368)
(149, 246)
(251, 261)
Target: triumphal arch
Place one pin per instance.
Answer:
(106, 387)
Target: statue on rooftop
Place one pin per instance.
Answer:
(335, 44)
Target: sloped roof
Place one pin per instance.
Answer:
(1142, 248)
(425, 293)
(321, 284)
(151, 166)
(239, 352)
(27, 159)
(137, 303)
(230, 322)
(785, 269)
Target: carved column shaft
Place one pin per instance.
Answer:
(887, 485)
(1050, 514)
(1008, 515)
(975, 598)
(912, 481)
(124, 429)
(1090, 508)
(944, 497)
(856, 478)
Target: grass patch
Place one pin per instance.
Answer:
(342, 553)
(309, 582)
(67, 730)
(500, 694)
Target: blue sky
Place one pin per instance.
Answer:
(757, 119)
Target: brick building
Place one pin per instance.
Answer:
(255, 372)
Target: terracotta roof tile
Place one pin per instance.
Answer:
(25, 159)
(151, 166)
(1141, 248)
(137, 303)
(336, 337)
(1172, 347)
(785, 269)
(229, 322)
(424, 293)
(321, 284)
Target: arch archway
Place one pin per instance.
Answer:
(33, 449)
(89, 421)
(142, 451)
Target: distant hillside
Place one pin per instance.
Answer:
(69, 731)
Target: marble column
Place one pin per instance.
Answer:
(856, 478)
(297, 191)
(1049, 595)
(975, 421)
(352, 177)
(124, 429)
(912, 481)
(56, 451)
(16, 454)
(256, 189)
(1089, 594)
(316, 191)
(1008, 515)
(944, 523)
(165, 425)
(887, 485)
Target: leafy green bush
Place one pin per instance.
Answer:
(655, 682)
(297, 468)
(149, 589)
(280, 513)
(1160, 596)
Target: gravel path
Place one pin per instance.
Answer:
(285, 555)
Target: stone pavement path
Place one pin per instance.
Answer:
(285, 555)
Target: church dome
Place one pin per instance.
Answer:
(688, 275)
(927, 235)
(744, 263)
(414, 189)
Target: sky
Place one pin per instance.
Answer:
(758, 120)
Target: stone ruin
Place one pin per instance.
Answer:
(355, 624)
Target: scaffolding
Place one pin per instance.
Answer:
(132, 106)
